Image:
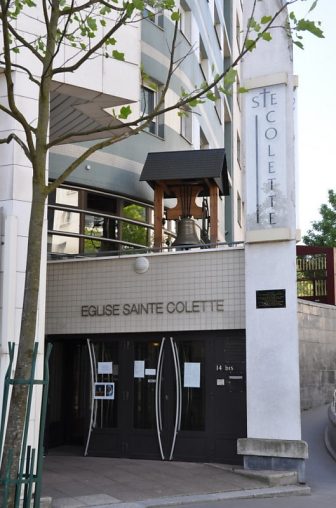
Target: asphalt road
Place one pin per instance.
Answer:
(321, 473)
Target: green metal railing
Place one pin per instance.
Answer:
(29, 475)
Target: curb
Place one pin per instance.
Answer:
(182, 500)
(219, 496)
(270, 478)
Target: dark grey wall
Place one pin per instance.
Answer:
(317, 332)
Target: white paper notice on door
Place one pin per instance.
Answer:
(192, 375)
(105, 367)
(139, 368)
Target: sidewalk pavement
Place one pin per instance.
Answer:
(87, 482)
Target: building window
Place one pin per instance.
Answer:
(185, 20)
(238, 94)
(149, 100)
(218, 104)
(238, 34)
(238, 150)
(218, 28)
(155, 16)
(186, 123)
(203, 60)
(204, 143)
(96, 223)
(239, 209)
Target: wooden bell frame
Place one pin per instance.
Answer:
(175, 189)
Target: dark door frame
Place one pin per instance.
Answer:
(225, 399)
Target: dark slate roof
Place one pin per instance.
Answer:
(187, 165)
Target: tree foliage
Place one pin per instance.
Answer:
(323, 231)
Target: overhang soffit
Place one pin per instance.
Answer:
(78, 110)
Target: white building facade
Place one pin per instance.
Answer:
(162, 354)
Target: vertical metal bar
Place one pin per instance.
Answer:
(6, 479)
(44, 407)
(11, 347)
(26, 476)
(92, 398)
(30, 481)
(180, 387)
(158, 415)
(30, 383)
(177, 398)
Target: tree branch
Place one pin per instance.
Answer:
(18, 66)
(94, 148)
(45, 14)
(24, 42)
(14, 137)
(94, 49)
(58, 43)
(9, 81)
(90, 3)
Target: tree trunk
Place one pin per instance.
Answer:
(17, 407)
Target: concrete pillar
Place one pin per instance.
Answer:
(272, 357)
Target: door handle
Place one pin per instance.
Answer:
(93, 402)
(178, 385)
(158, 387)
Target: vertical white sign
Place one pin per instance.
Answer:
(266, 165)
(139, 368)
(192, 375)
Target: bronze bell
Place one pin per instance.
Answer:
(186, 233)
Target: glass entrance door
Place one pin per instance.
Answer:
(168, 398)
(179, 397)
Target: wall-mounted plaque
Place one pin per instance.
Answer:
(271, 298)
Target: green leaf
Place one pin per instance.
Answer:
(139, 4)
(242, 89)
(175, 16)
(266, 19)
(92, 24)
(125, 111)
(118, 55)
(254, 25)
(110, 42)
(168, 4)
(41, 45)
(211, 96)
(230, 77)
(195, 102)
(298, 44)
(266, 36)
(250, 44)
(309, 26)
(314, 4)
